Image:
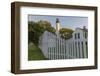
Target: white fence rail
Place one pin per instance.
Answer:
(55, 47)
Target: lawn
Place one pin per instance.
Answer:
(35, 53)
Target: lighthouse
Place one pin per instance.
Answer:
(57, 26)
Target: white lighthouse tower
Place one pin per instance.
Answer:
(57, 26)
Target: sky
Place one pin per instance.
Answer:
(72, 22)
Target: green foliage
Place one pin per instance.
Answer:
(66, 33)
(36, 29)
(46, 26)
(51, 29)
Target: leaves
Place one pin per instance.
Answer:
(36, 29)
(66, 33)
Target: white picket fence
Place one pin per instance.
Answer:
(55, 47)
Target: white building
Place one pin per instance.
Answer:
(55, 47)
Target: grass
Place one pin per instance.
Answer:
(35, 53)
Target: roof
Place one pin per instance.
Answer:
(83, 29)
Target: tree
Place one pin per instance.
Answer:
(46, 26)
(34, 32)
(36, 29)
(66, 33)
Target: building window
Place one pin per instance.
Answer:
(85, 35)
(54, 50)
(73, 50)
(79, 49)
(75, 36)
(69, 50)
(78, 35)
(82, 49)
(86, 49)
(76, 48)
